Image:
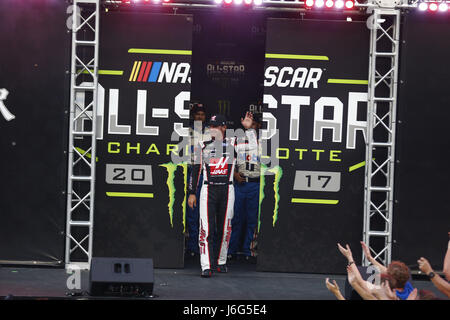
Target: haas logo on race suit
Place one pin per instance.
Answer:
(219, 166)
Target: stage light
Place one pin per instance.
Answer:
(217, 1)
(329, 4)
(126, 1)
(228, 1)
(339, 4)
(349, 4)
(238, 2)
(443, 7)
(423, 6)
(257, 2)
(248, 2)
(433, 6)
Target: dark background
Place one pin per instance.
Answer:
(237, 38)
(422, 210)
(34, 58)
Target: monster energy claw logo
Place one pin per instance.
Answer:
(278, 172)
(171, 169)
(4, 111)
(224, 107)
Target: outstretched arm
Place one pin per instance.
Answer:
(354, 273)
(247, 121)
(369, 257)
(355, 280)
(447, 261)
(441, 284)
(250, 142)
(351, 267)
(334, 288)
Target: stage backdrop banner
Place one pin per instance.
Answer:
(228, 62)
(34, 58)
(316, 96)
(144, 92)
(422, 210)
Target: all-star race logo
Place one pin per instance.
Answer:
(3, 109)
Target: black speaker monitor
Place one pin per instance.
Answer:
(121, 277)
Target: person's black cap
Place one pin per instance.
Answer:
(218, 120)
(197, 107)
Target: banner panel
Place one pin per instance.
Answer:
(421, 210)
(228, 62)
(143, 98)
(316, 96)
(34, 86)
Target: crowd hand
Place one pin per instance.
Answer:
(192, 201)
(238, 177)
(424, 265)
(247, 121)
(346, 252)
(413, 295)
(366, 250)
(333, 287)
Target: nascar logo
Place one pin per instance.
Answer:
(157, 71)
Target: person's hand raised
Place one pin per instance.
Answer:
(247, 121)
(333, 287)
(346, 252)
(366, 250)
(424, 265)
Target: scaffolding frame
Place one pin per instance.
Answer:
(82, 137)
(381, 130)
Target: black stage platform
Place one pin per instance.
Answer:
(241, 283)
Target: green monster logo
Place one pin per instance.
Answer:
(278, 171)
(262, 184)
(171, 169)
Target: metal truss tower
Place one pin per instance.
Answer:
(82, 128)
(381, 125)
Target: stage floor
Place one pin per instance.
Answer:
(241, 283)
